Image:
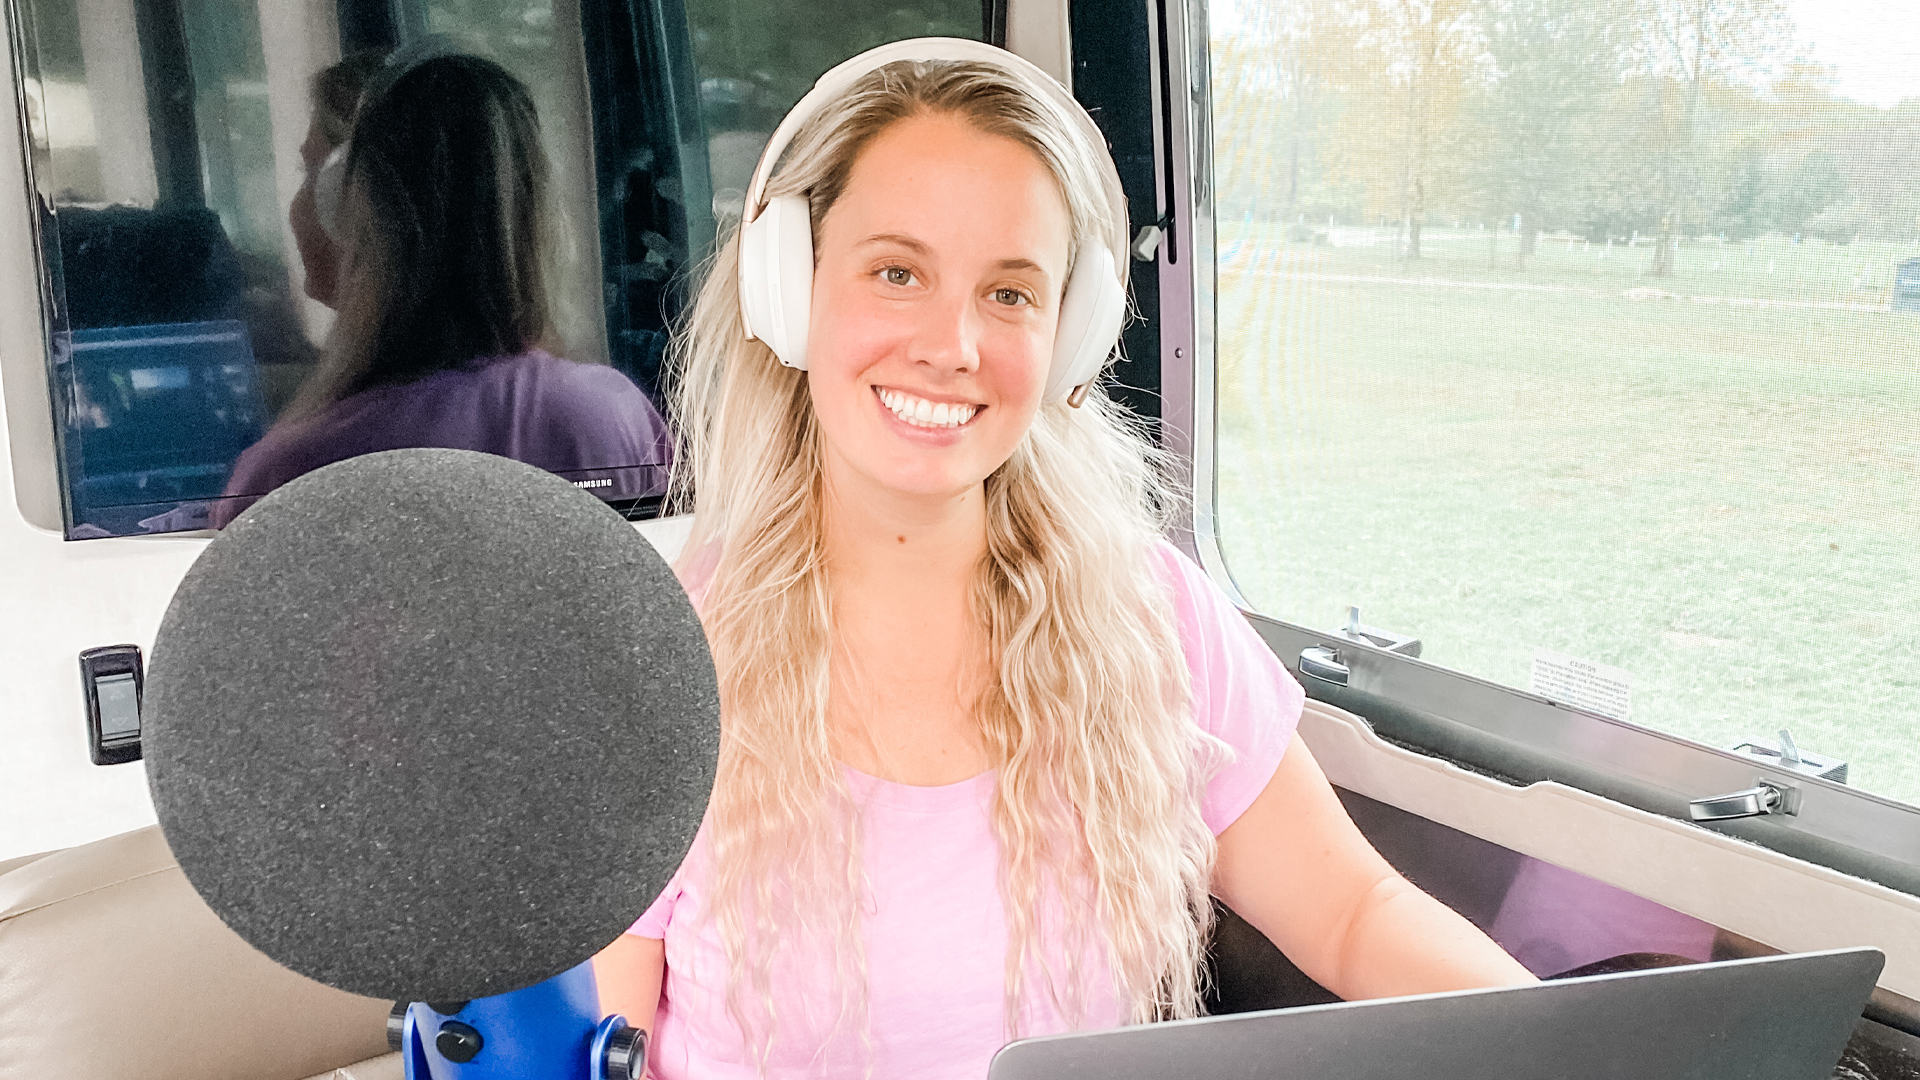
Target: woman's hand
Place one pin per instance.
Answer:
(1295, 866)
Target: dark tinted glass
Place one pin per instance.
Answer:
(192, 346)
(685, 93)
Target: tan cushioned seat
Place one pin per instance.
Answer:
(9, 864)
(111, 966)
(384, 1067)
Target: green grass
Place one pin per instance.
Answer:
(1723, 500)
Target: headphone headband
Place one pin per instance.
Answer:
(840, 78)
(776, 238)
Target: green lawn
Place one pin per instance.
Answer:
(1723, 500)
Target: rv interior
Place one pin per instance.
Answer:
(1623, 471)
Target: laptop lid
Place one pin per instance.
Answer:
(1769, 1018)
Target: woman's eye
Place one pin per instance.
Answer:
(897, 275)
(1010, 297)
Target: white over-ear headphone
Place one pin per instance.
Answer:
(330, 180)
(776, 235)
(329, 187)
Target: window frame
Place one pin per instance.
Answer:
(1487, 727)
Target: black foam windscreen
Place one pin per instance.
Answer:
(430, 725)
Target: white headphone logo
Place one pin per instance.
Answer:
(776, 236)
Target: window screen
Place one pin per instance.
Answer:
(1581, 342)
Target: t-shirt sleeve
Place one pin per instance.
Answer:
(653, 924)
(1242, 694)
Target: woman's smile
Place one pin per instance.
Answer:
(924, 413)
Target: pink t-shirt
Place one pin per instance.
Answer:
(934, 930)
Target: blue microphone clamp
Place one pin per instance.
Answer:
(547, 1031)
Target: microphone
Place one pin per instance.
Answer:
(436, 726)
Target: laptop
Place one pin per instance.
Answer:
(1768, 1018)
(156, 414)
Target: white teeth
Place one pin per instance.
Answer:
(923, 413)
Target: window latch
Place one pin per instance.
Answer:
(1786, 755)
(1323, 662)
(1146, 242)
(1320, 662)
(1374, 637)
(1763, 798)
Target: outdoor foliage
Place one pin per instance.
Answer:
(1646, 397)
(1661, 119)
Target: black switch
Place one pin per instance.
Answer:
(112, 680)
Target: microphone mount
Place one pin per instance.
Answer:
(546, 1031)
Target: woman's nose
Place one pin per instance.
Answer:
(947, 337)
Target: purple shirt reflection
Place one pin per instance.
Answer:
(586, 421)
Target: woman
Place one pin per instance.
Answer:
(440, 239)
(335, 94)
(988, 742)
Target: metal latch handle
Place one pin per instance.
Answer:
(1763, 798)
(1322, 663)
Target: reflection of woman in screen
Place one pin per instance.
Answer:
(442, 238)
(336, 97)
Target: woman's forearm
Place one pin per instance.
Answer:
(1295, 866)
(1402, 941)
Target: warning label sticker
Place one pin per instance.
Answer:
(1583, 684)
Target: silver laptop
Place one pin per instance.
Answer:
(1771, 1018)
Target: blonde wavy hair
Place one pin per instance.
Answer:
(1087, 716)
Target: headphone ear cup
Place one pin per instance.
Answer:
(1091, 313)
(329, 188)
(776, 277)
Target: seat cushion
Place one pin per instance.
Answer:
(384, 1067)
(111, 965)
(21, 860)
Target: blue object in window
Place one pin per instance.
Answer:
(1906, 286)
(154, 416)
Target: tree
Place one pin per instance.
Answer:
(1879, 155)
(1553, 63)
(1416, 62)
(1687, 47)
(1282, 72)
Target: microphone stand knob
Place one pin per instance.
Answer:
(458, 1042)
(619, 1051)
(397, 1026)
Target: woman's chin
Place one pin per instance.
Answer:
(942, 482)
(932, 489)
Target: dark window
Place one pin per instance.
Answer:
(166, 142)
